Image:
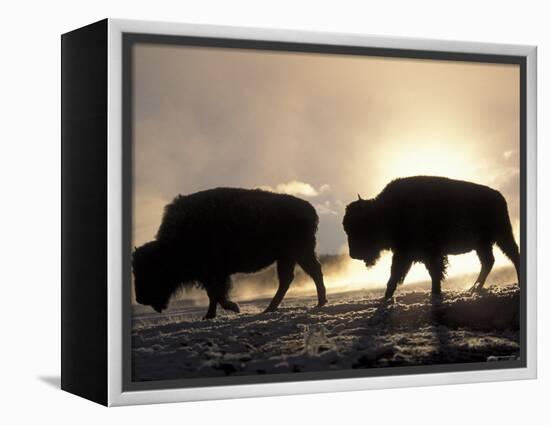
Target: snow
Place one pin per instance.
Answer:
(355, 330)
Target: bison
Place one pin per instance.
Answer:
(207, 236)
(425, 219)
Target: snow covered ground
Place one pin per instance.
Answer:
(355, 330)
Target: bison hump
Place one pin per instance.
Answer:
(233, 211)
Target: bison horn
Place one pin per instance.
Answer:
(359, 197)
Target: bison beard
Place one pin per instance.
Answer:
(425, 219)
(206, 237)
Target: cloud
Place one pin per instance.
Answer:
(324, 188)
(326, 208)
(298, 188)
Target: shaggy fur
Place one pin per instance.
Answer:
(206, 237)
(424, 219)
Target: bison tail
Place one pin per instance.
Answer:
(505, 240)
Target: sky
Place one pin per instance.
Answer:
(322, 127)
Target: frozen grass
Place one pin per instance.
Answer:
(355, 330)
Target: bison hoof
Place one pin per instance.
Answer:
(270, 309)
(437, 296)
(231, 306)
(477, 288)
(322, 303)
(209, 316)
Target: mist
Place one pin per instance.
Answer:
(341, 275)
(321, 127)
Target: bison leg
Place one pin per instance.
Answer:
(285, 272)
(213, 302)
(217, 294)
(313, 268)
(400, 266)
(225, 302)
(436, 266)
(487, 260)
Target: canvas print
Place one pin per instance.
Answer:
(307, 212)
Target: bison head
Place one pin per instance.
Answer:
(153, 279)
(363, 228)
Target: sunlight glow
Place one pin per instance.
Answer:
(421, 154)
(355, 275)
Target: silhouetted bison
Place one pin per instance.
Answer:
(424, 219)
(206, 237)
